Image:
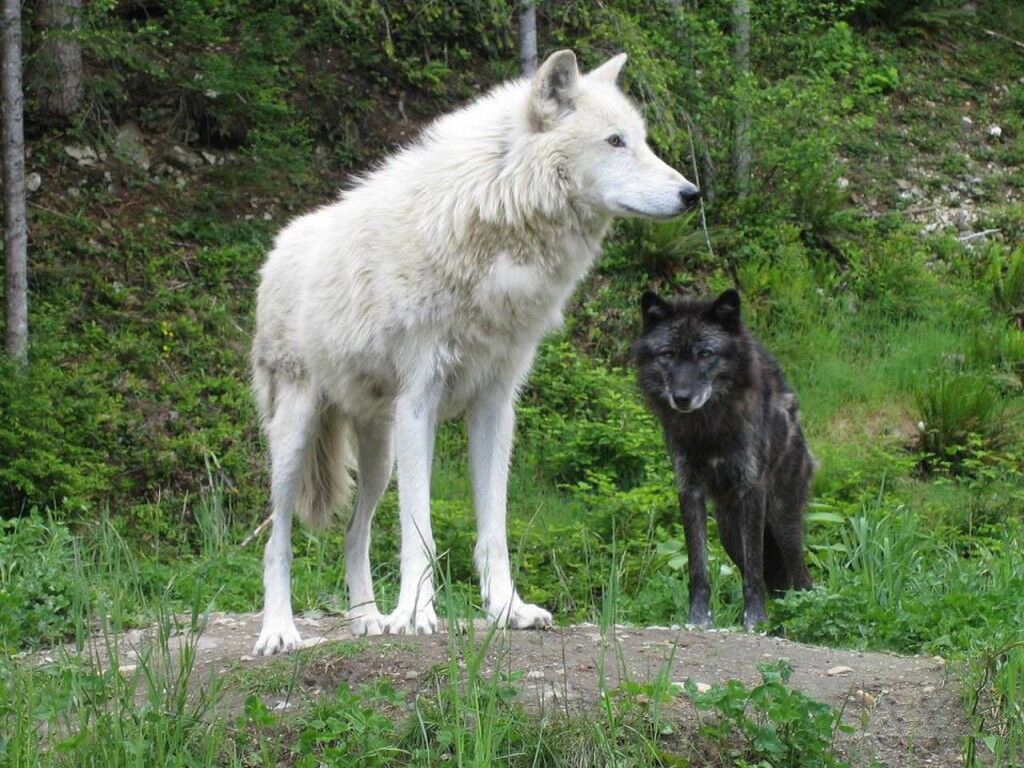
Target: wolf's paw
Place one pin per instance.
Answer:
(411, 621)
(365, 621)
(277, 637)
(522, 616)
(752, 617)
(699, 621)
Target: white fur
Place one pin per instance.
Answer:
(421, 294)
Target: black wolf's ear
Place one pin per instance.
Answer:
(726, 311)
(654, 309)
(554, 89)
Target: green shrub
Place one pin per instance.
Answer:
(52, 437)
(961, 416)
(585, 421)
(37, 583)
(768, 724)
(1007, 277)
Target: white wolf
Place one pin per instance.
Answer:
(422, 293)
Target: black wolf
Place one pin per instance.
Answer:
(732, 428)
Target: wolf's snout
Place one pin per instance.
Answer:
(682, 399)
(689, 194)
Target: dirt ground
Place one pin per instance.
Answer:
(906, 710)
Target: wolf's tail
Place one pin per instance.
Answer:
(325, 488)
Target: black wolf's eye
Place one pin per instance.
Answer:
(705, 354)
(616, 140)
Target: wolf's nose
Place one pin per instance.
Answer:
(682, 398)
(689, 195)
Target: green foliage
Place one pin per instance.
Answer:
(962, 417)
(587, 421)
(995, 700)
(350, 726)
(769, 724)
(1007, 276)
(37, 586)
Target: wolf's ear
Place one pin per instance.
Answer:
(554, 89)
(726, 311)
(609, 71)
(654, 309)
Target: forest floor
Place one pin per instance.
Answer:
(903, 710)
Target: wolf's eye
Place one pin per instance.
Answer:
(705, 354)
(616, 140)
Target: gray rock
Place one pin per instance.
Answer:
(129, 147)
(183, 158)
(33, 182)
(84, 156)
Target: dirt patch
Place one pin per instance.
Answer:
(905, 710)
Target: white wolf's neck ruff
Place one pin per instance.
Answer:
(480, 182)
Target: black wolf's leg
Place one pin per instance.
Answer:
(752, 511)
(695, 523)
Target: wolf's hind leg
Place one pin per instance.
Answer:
(291, 430)
(491, 422)
(375, 464)
(787, 529)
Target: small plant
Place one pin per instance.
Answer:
(1007, 276)
(995, 702)
(820, 208)
(769, 724)
(961, 418)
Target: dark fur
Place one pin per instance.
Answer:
(743, 447)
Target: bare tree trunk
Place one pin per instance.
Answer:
(56, 71)
(15, 227)
(528, 37)
(741, 145)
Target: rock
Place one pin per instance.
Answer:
(535, 674)
(411, 674)
(129, 147)
(994, 131)
(33, 182)
(865, 698)
(183, 158)
(208, 157)
(84, 156)
(127, 669)
(839, 670)
(966, 120)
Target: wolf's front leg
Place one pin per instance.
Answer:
(695, 525)
(415, 428)
(491, 424)
(752, 510)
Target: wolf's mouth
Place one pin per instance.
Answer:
(648, 215)
(695, 404)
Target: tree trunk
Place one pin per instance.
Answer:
(56, 71)
(15, 227)
(528, 37)
(741, 144)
